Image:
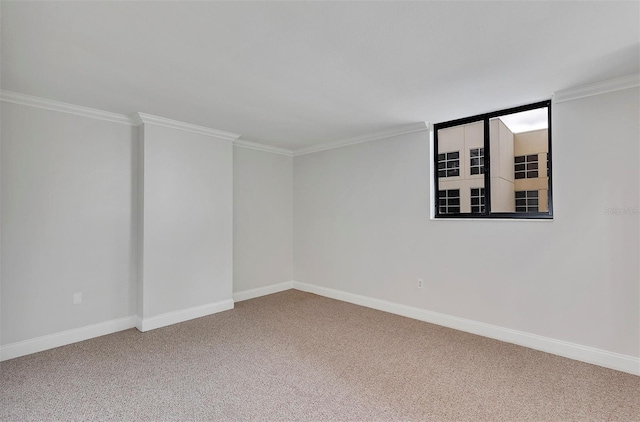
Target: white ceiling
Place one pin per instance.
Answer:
(298, 74)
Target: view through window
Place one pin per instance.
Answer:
(498, 164)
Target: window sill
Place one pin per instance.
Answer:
(537, 219)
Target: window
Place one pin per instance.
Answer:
(449, 164)
(477, 200)
(527, 201)
(449, 201)
(477, 160)
(526, 166)
(495, 165)
(547, 160)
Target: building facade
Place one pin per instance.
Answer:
(519, 169)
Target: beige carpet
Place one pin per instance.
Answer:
(298, 356)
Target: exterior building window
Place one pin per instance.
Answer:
(527, 201)
(476, 164)
(494, 165)
(547, 158)
(477, 200)
(449, 201)
(449, 164)
(526, 166)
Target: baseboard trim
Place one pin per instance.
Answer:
(170, 318)
(64, 338)
(562, 348)
(617, 361)
(262, 291)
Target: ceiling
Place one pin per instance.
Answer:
(300, 74)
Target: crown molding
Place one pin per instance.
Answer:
(598, 88)
(140, 118)
(261, 147)
(134, 120)
(387, 133)
(143, 118)
(29, 100)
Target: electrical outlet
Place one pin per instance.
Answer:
(77, 298)
(420, 283)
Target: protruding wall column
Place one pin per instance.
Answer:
(185, 220)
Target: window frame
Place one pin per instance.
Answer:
(481, 197)
(526, 170)
(480, 167)
(446, 198)
(526, 198)
(487, 214)
(446, 162)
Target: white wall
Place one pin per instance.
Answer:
(598, 140)
(262, 219)
(187, 243)
(361, 225)
(72, 205)
(66, 221)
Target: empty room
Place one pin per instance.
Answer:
(314, 211)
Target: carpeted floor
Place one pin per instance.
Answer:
(298, 356)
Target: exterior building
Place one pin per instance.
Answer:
(519, 176)
(531, 151)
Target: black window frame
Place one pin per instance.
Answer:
(527, 162)
(446, 160)
(527, 196)
(480, 196)
(485, 118)
(479, 166)
(446, 199)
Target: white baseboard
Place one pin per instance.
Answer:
(63, 338)
(146, 324)
(574, 351)
(579, 352)
(262, 291)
